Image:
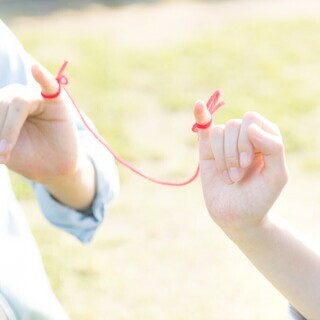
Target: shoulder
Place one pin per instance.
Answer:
(10, 47)
(15, 63)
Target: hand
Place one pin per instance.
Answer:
(38, 138)
(243, 168)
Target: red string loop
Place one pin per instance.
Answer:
(213, 104)
(197, 126)
(61, 79)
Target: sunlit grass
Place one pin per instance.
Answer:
(268, 66)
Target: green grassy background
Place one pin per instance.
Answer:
(158, 255)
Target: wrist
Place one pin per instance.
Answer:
(75, 188)
(247, 236)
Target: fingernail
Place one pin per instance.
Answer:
(244, 160)
(3, 146)
(234, 174)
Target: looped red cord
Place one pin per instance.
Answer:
(61, 79)
(213, 104)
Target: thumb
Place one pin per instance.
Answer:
(271, 147)
(48, 83)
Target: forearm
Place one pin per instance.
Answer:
(286, 260)
(76, 190)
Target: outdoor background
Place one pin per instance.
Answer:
(136, 68)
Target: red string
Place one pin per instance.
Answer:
(61, 79)
(212, 106)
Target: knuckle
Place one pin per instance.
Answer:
(276, 129)
(20, 101)
(251, 116)
(279, 178)
(233, 123)
(17, 102)
(277, 146)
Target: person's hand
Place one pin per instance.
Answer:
(242, 166)
(38, 138)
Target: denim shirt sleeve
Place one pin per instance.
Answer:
(84, 224)
(15, 67)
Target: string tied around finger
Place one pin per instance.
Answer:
(213, 105)
(61, 80)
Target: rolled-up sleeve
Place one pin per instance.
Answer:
(83, 225)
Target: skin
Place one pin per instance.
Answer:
(243, 171)
(38, 139)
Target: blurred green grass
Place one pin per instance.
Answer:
(159, 256)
